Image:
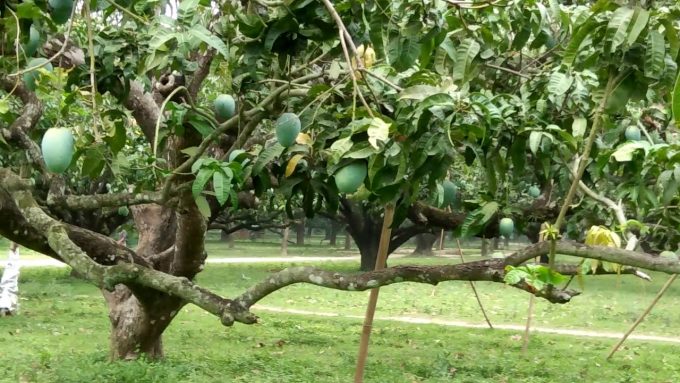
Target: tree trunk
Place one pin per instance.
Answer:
(442, 238)
(332, 232)
(424, 243)
(137, 328)
(369, 255)
(496, 244)
(367, 240)
(485, 247)
(348, 241)
(284, 241)
(228, 238)
(300, 233)
(333, 237)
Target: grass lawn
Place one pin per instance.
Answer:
(62, 335)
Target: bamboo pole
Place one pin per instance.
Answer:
(383, 248)
(644, 314)
(474, 289)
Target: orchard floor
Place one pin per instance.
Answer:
(61, 334)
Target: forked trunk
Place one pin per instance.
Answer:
(137, 324)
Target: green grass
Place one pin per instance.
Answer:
(62, 335)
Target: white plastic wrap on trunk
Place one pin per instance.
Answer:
(9, 285)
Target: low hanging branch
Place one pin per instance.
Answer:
(133, 271)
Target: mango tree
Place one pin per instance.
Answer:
(337, 107)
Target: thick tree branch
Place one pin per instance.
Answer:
(144, 109)
(201, 73)
(30, 115)
(96, 201)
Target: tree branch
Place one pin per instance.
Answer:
(29, 118)
(201, 73)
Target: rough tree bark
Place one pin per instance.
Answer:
(137, 324)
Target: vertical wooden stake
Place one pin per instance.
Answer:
(474, 289)
(644, 314)
(441, 240)
(383, 248)
(530, 314)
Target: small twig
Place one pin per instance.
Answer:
(127, 12)
(472, 4)
(512, 71)
(474, 289)
(383, 79)
(354, 77)
(93, 82)
(644, 314)
(345, 41)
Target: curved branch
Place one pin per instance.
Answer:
(201, 73)
(487, 270)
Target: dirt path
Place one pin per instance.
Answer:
(451, 323)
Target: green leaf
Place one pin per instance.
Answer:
(222, 186)
(203, 34)
(670, 191)
(378, 131)
(116, 138)
(577, 40)
(201, 180)
(624, 153)
(672, 37)
(277, 29)
(419, 92)
(27, 10)
(655, 55)
(93, 163)
(641, 19)
(617, 29)
(403, 52)
(203, 206)
(675, 103)
(578, 127)
(521, 38)
(266, 156)
(535, 141)
(4, 106)
(465, 54)
(515, 276)
(559, 83)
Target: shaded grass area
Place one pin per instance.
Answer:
(62, 335)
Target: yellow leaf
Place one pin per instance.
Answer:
(367, 56)
(290, 168)
(601, 236)
(304, 139)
